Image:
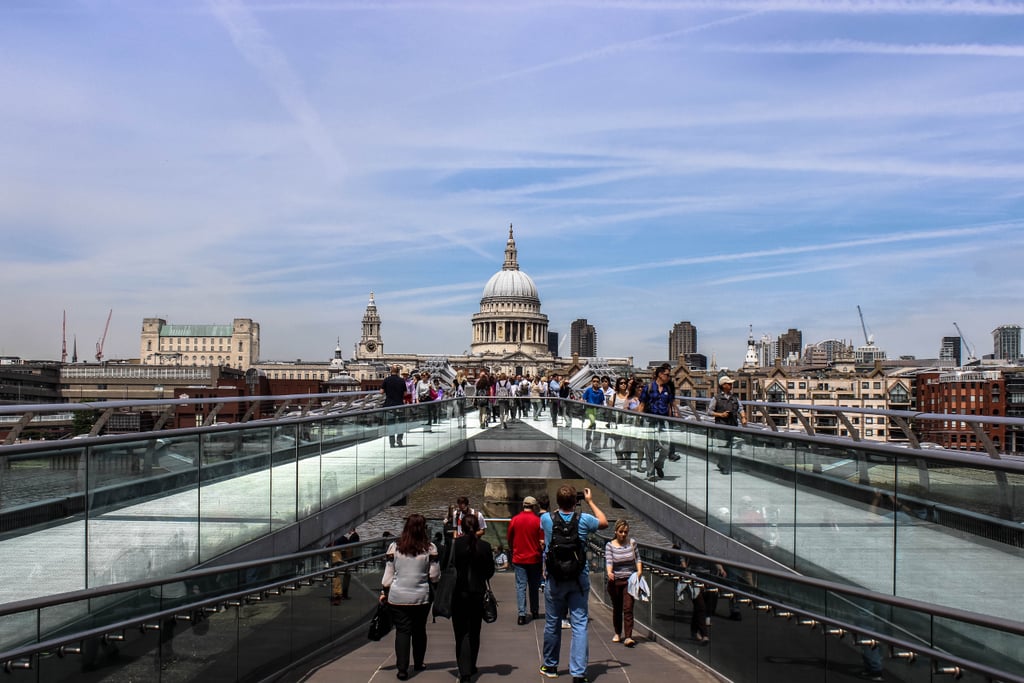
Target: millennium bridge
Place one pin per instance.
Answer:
(198, 554)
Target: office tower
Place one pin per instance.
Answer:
(949, 352)
(1006, 342)
(583, 338)
(790, 345)
(767, 351)
(553, 343)
(682, 340)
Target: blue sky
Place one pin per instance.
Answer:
(726, 162)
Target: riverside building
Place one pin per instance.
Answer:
(233, 346)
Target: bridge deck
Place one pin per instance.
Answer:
(845, 539)
(513, 653)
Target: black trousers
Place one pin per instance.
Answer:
(467, 616)
(410, 626)
(703, 608)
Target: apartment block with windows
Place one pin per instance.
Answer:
(583, 338)
(965, 393)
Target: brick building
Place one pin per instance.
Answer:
(961, 393)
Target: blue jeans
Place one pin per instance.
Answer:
(527, 577)
(872, 658)
(561, 599)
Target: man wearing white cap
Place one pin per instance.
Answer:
(526, 541)
(725, 408)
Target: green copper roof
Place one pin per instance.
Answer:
(196, 330)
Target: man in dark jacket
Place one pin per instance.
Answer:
(474, 563)
(393, 389)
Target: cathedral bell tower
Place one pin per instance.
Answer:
(751, 360)
(370, 343)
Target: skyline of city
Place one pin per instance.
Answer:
(773, 164)
(1006, 345)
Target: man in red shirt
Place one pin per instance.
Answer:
(526, 541)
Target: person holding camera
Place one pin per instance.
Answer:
(567, 580)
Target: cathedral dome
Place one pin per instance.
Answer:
(510, 320)
(511, 284)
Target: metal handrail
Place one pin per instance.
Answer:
(184, 607)
(135, 403)
(902, 418)
(37, 408)
(192, 574)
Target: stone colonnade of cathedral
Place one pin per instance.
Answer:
(509, 331)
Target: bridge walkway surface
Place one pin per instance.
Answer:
(509, 652)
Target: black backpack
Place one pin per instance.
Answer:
(565, 556)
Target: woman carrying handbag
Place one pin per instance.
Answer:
(474, 563)
(412, 564)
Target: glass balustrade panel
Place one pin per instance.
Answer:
(334, 478)
(692, 445)
(966, 517)
(43, 502)
(309, 469)
(235, 491)
(285, 460)
(842, 531)
(998, 649)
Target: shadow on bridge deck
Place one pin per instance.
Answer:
(513, 653)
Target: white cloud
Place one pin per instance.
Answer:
(839, 46)
(258, 47)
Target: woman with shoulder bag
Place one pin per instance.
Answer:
(474, 562)
(412, 565)
(621, 560)
(458, 392)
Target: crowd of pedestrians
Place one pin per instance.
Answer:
(500, 399)
(548, 551)
(637, 428)
(536, 540)
(634, 430)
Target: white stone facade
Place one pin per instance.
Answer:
(234, 346)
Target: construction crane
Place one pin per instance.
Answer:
(967, 347)
(869, 340)
(103, 339)
(64, 339)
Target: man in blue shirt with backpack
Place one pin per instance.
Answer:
(567, 580)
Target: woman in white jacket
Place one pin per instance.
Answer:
(412, 565)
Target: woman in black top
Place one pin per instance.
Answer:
(474, 562)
